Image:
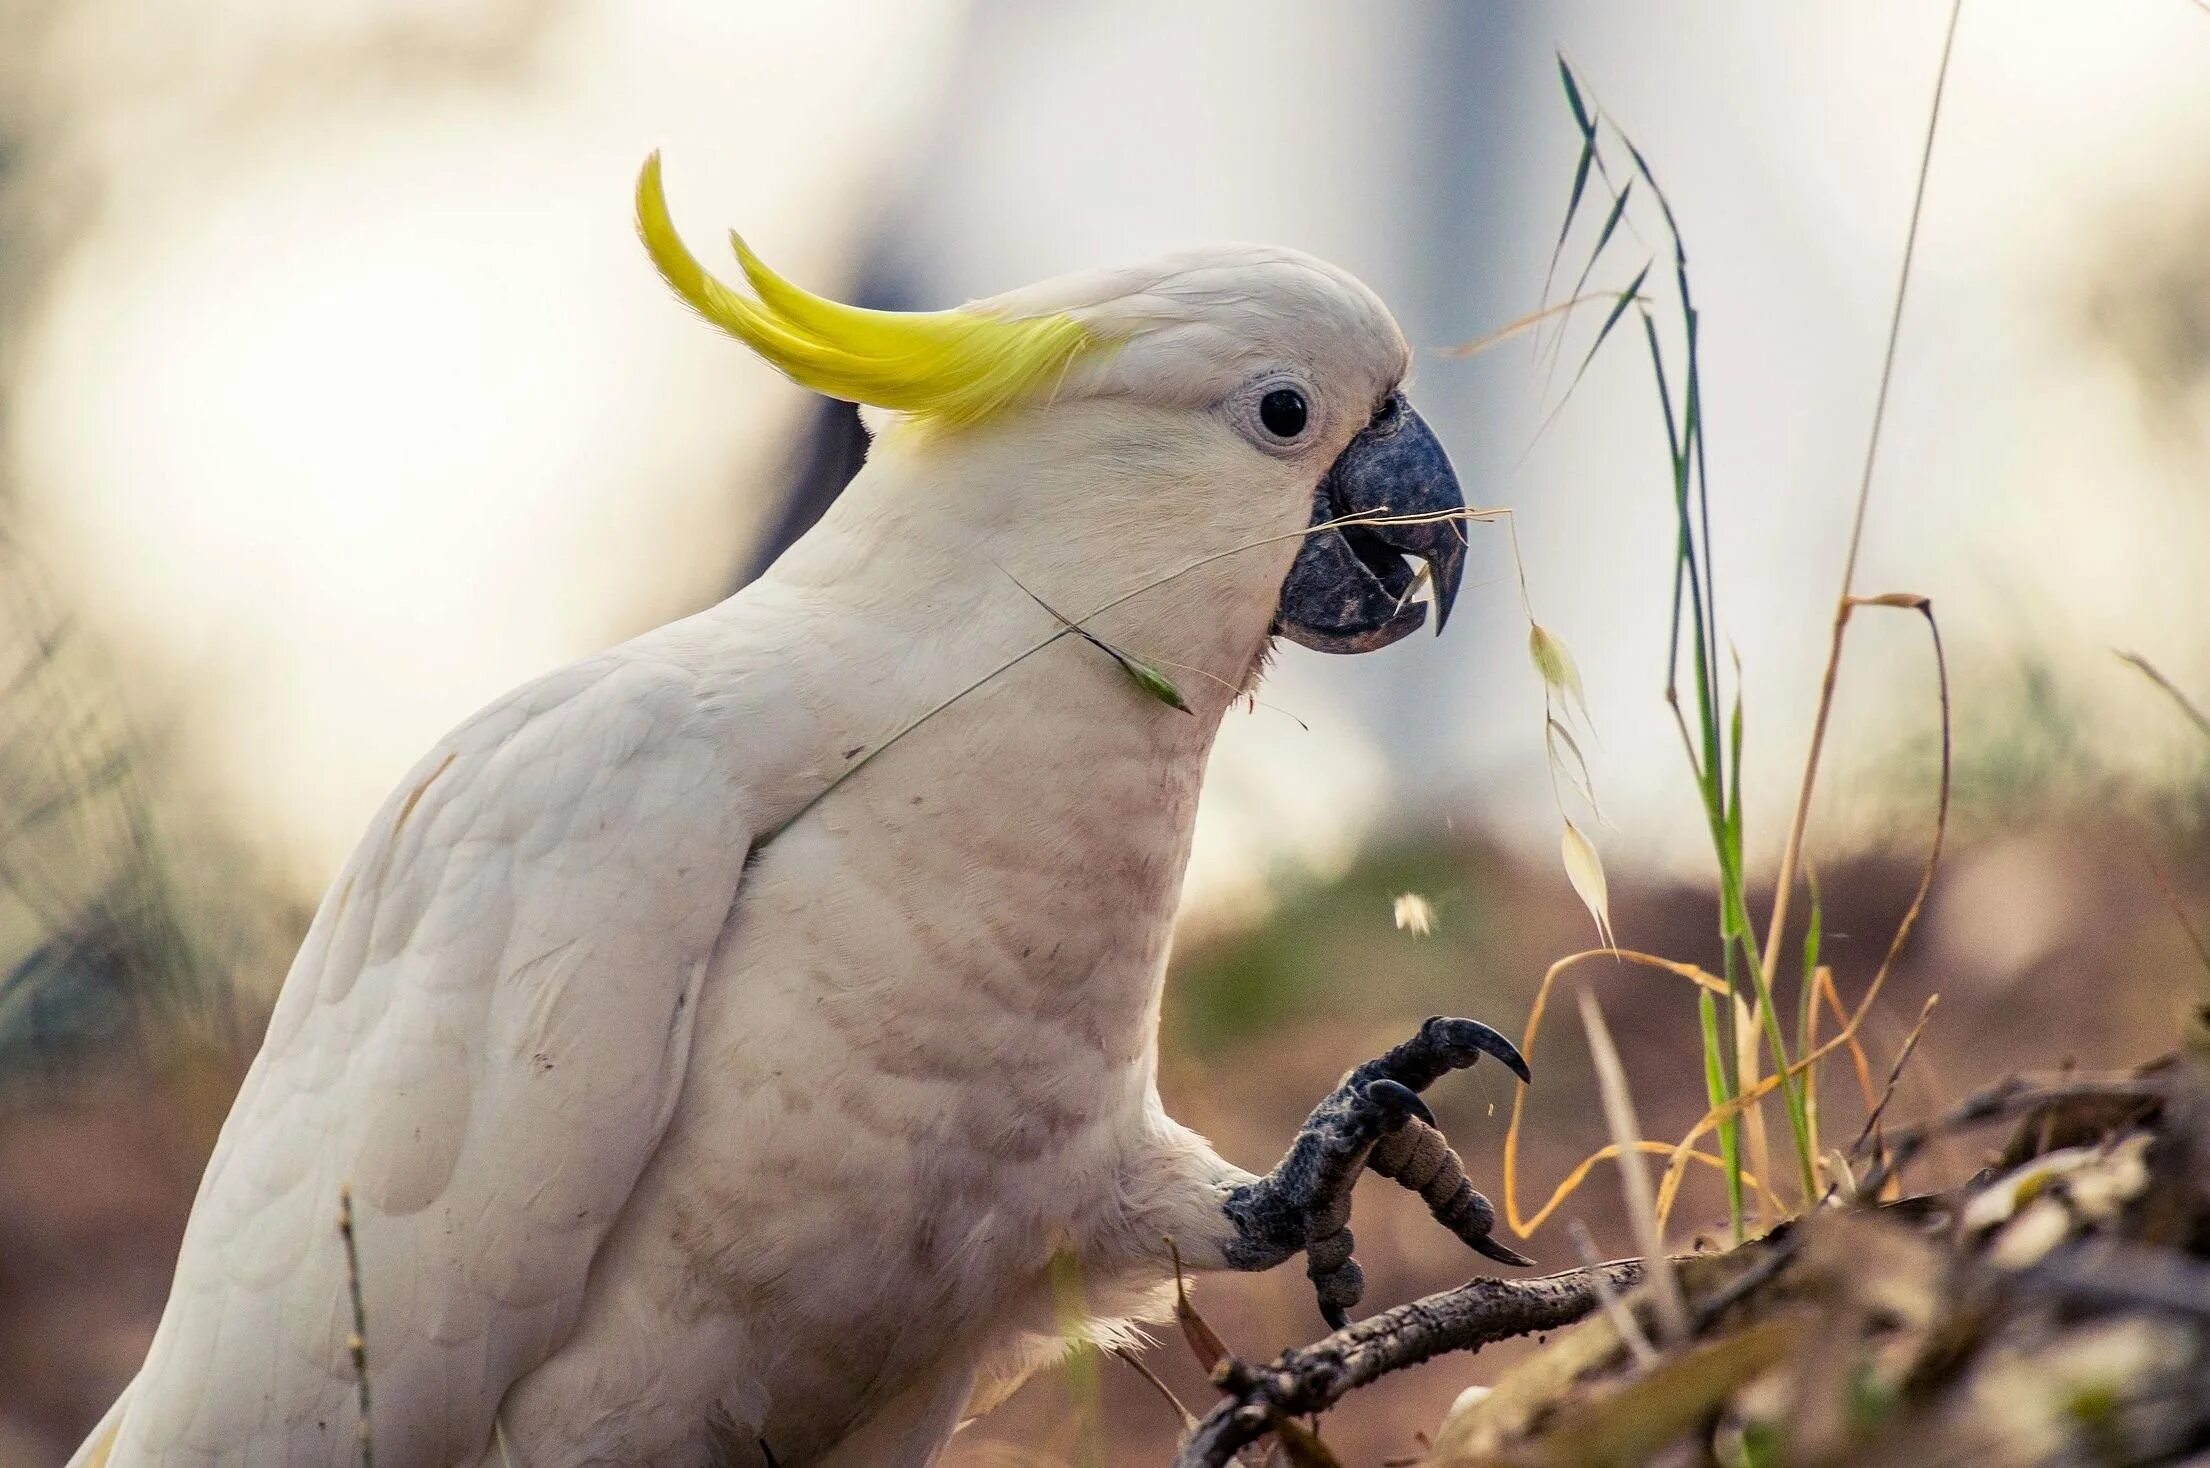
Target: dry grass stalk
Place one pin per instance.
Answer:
(1607, 1299)
(1626, 958)
(1791, 855)
(1871, 1132)
(1634, 1178)
(1523, 325)
(356, 1343)
(2155, 675)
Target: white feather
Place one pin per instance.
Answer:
(657, 1155)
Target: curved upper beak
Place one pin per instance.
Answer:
(1349, 590)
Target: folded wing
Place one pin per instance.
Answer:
(483, 1035)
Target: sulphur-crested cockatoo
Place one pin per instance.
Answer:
(734, 1043)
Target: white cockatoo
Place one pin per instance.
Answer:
(732, 1043)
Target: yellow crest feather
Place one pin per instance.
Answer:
(952, 366)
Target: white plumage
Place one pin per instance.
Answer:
(665, 1143)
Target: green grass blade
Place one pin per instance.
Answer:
(1734, 774)
(1619, 305)
(1717, 1089)
(1665, 205)
(1581, 169)
(1603, 238)
(1572, 207)
(1715, 746)
(1581, 115)
(1693, 326)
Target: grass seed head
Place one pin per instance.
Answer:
(1414, 914)
(1585, 870)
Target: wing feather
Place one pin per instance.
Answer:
(483, 1034)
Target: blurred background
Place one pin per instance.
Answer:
(336, 397)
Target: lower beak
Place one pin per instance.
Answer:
(1349, 590)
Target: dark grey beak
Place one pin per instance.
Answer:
(1348, 590)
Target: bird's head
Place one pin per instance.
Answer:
(1238, 391)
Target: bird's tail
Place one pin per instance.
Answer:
(97, 1447)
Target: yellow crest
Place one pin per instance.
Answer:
(952, 366)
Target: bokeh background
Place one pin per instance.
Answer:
(336, 397)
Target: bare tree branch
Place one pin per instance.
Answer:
(1315, 1377)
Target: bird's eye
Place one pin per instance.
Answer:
(1283, 412)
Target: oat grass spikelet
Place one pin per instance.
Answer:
(951, 367)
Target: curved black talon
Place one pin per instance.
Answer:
(1502, 1253)
(1400, 1102)
(1472, 1034)
(1337, 1281)
(1442, 1046)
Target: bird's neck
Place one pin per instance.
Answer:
(1155, 533)
(1028, 778)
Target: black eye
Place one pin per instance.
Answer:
(1283, 412)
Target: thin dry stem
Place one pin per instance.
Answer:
(1860, 1062)
(1134, 1363)
(1607, 1299)
(1669, 1188)
(1749, 1039)
(1791, 855)
(1522, 1226)
(2179, 909)
(1076, 624)
(356, 1344)
(1634, 1178)
(1524, 324)
(1684, 1152)
(2017, 1095)
(1871, 1130)
(2151, 672)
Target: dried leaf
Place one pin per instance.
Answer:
(1134, 1363)
(1630, 1425)
(1845, 1177)
(1301, 1446)
(2028, 1238)
(1204, 1343)
(1414, 914)
(2097, 1182)
(1585, 870)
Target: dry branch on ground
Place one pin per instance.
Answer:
(2053, 1309)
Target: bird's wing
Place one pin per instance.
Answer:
(483, 1037)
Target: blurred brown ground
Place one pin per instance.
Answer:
(2047, 944)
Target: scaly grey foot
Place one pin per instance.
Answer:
(1374, 1119)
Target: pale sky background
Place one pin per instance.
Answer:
(339, 396)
